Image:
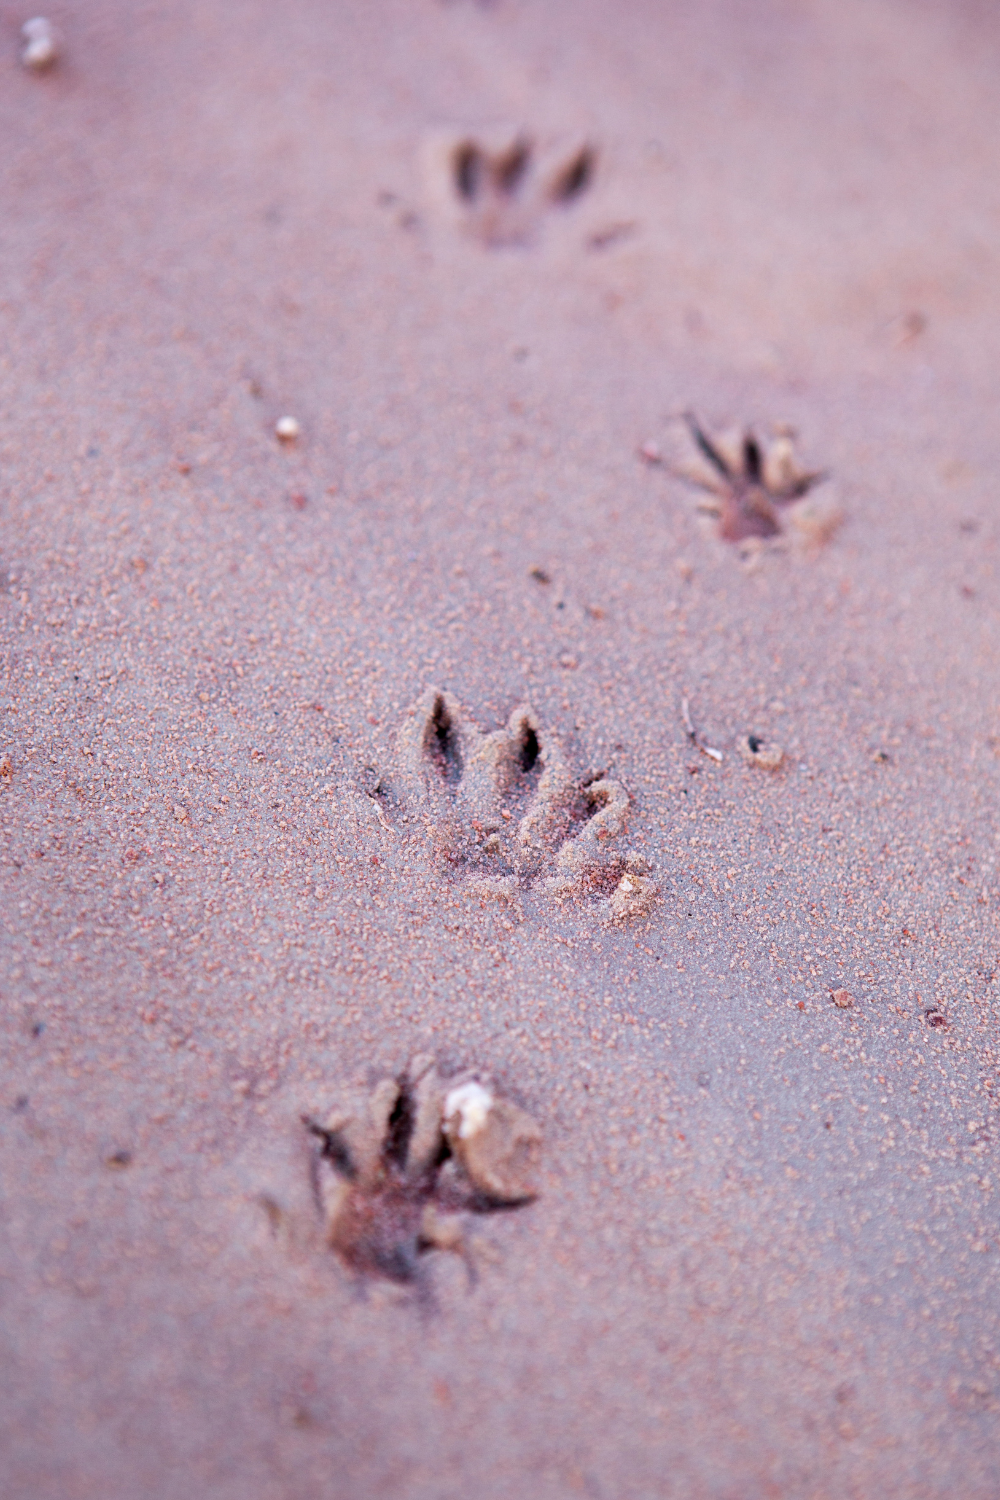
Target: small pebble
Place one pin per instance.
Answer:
(496, 1143)
(287, 429)
(843, 999)
(40, 49)
(634, 896)
(756, 753)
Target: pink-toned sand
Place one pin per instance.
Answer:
(765, 1258)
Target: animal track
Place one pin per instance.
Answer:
(507, 814)
(393, 1176)
(500, 187)
(753, 485)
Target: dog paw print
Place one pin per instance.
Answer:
(755, 490)
(396, 1175)
(505, 811)
(500, 187)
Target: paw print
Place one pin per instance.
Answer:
(753, 487)
(500, 187)
(505, 811)
(395, 1176)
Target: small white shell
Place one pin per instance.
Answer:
(40, 48)
(471, 1103)
(287, 429)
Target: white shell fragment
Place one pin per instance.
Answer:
(287, 429)
(40, 48)
(471, 1104)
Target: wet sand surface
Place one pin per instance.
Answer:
(764, 1261)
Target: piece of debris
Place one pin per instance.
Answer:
(377, 810)
(695, 737)
(651, 453)
(539, 575)
(750, 482)
(394, 1176)
(287, 429)
(41, 47)
(634, 896)
(6, 768)
(842, 998)
(756, 753)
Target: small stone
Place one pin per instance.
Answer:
(287, 429)
(755, 753)
(842, 998)
(40, 48)
(496, 1143)
(634, 896)
(6, 768)
(782, 472)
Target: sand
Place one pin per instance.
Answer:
(764, 1261)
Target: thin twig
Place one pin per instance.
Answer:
(381, 816)
(695, 737)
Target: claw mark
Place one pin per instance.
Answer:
(442, 742)
(530, 748)
(572, 180)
